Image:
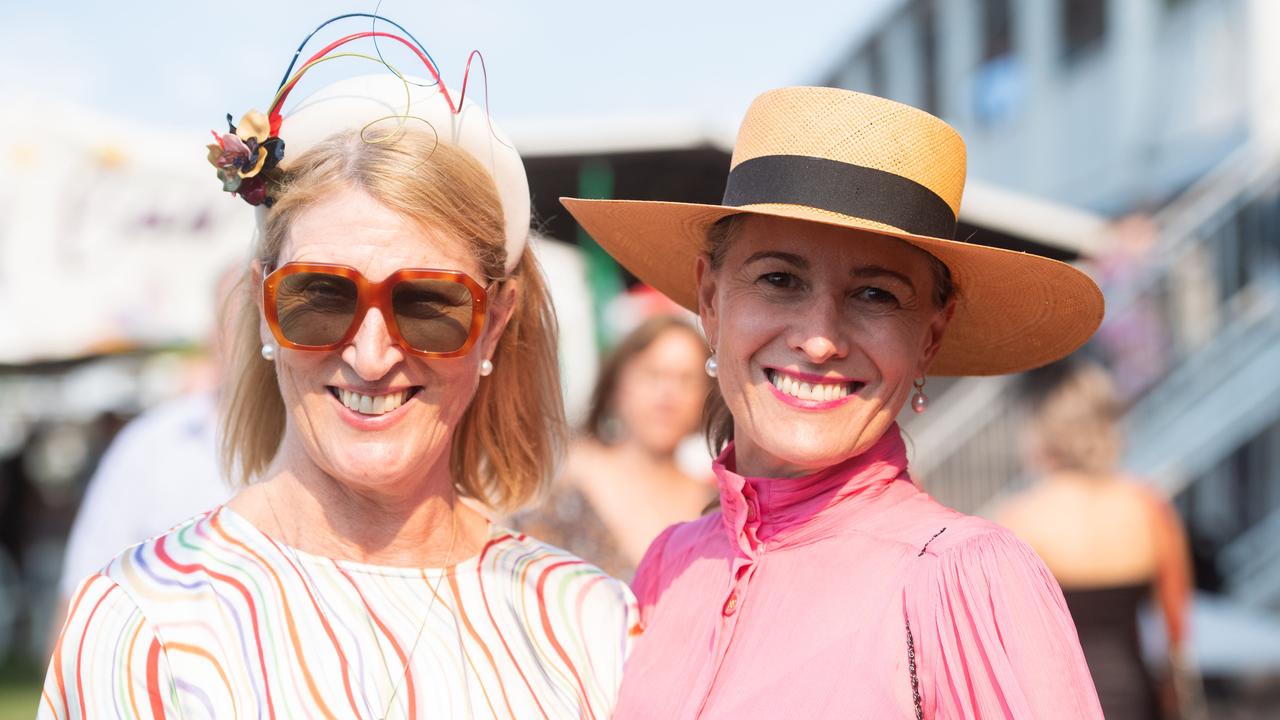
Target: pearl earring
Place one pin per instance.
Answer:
(919, 401)
(486, 367)
(711, 367)
(268, 352)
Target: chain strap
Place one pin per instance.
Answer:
(915, 679)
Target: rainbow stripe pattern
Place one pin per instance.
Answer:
(215, 619)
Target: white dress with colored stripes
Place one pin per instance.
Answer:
(215, 619)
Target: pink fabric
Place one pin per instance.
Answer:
(795, 600)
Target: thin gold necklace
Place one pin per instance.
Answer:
(435, 593)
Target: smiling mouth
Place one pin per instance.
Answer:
(812, 391)
(372, 404)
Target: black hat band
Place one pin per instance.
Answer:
(843, 188)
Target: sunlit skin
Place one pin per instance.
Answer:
(385, 491)
(660, 392)
(809, 299)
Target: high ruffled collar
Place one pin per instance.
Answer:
(790, 511)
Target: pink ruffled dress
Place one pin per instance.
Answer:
(853, 594)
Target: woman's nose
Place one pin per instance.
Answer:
(372, 353)
(820, 333)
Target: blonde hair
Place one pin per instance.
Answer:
(505, 447)
(1075, 417)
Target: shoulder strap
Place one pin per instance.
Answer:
(911, 668)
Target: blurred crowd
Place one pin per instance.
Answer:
(103, 446)
(638, 463)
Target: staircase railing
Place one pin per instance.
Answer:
(1250, 564)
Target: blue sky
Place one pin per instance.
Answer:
(185, 64)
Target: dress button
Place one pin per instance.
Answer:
(731, 605)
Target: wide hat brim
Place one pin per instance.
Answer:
(1014, 311)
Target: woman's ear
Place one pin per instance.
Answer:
(502, 306)
(707, 308)
(256, 274)
(936, 330)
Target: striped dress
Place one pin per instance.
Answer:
(215, 619)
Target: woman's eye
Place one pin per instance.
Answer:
(781, 280)
(877, 296)
(324, 287)
(321, 290)
(316, 285)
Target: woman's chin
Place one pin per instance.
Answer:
(800, 453)
(374, 468)
(779, 457)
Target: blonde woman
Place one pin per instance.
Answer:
(397, 339)
(1113, 543)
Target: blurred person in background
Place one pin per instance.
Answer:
(395, 354)
(829, 584)
(623, 484)
(1134, 340)
(161, 468)
(1113, 543)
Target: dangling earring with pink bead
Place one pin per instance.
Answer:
(919, 401)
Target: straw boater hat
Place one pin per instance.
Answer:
(857, 161)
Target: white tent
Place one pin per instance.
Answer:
(112, 235)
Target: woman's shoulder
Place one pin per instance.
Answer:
(187, 538)
(691, 535)
(959, 535)
(989, 623)
(535, 560)
(678, 546)
(214, 547)
(527, 569)
(914, 519)
(970, 556)
(957, 543)
(139, 582)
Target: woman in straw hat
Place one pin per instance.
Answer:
(829, 584)
(397, 337)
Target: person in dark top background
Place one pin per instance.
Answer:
(1111, 541)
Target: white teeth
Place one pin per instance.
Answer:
(372, 404)
(809, 391)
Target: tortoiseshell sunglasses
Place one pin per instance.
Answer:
(428, 313)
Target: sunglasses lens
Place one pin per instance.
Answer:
(433, 315)
(315, 308)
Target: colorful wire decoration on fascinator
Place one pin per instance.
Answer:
(252, 155)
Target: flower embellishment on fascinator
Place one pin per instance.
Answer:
(250, 157)
(245, 156)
